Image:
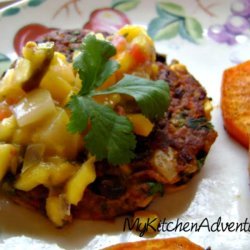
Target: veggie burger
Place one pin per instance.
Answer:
(94, 126)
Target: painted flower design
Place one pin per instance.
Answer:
(30, 32)
(106, 20)
(236, 27)
(172, 21)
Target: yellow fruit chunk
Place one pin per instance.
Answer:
(76, 186)
(56, 85)
(11, 83)
(132, 31)
(7, 128)
(62, 67)
(126, 61)
(141, 124)
(23, 71)
(38, 54)
(57, 210)
(8, 159)
(45, 173)
(59, 78)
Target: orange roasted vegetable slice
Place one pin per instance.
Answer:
(178, 243)
(235, 102)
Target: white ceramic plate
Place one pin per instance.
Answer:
(207, 48)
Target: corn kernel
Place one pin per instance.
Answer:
(208, 107)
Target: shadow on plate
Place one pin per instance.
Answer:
(16, 221)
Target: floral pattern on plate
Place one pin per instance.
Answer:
(172, 20)
(236, 27)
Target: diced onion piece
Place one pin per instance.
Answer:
(165, 163)
(33, 155)
(57, 139)
(78, 183)
(34, 107)
(58, 210)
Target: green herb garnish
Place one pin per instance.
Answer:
(155, 187)
(111, 136)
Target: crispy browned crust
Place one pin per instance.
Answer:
(185, 130)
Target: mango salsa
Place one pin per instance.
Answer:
(45, 173)
(9, 155)
(76, 186)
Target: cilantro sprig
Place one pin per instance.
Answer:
(111, 135)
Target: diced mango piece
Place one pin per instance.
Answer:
(7, 128)
(23, 71)
(9, 155)
(45, 173)
(62, 67)
(58, 210)
(126, 61)
(37, 105)
(36, 58)
(132, 31)
(56, 85)
(59, 78)
(76, 186)
(54, 134)
(141, 124)
(109, 82)
(8, 88)
(38, 54)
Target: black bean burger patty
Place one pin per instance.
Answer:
(169, 157)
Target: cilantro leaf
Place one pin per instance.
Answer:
(79, 116)
(93, 64)
(152, 96)
(155, 187)
(110, 136)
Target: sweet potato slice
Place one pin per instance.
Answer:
(178, 243)
(235, 102)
